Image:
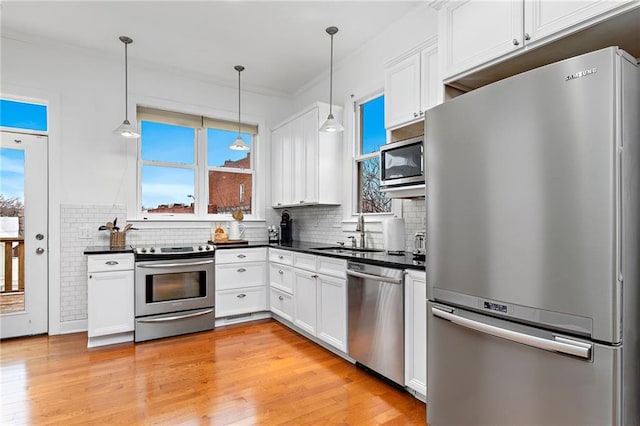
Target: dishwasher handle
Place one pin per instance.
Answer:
(374, 277)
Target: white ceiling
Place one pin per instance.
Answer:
(282, 44)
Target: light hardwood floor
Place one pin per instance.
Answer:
(256, 373)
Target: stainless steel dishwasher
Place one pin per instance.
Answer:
(376, 318)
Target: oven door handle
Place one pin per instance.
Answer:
(170, 265)
(176, 317)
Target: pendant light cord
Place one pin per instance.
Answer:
(239, 102)
(126, 85)
(331, 79)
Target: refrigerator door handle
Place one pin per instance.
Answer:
(560, 344)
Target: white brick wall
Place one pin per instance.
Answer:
(76, 218)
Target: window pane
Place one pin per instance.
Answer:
(167, 189)
(23, 115)
(219, 154)
(229, 191)
(167, 142)
(370, 198)
(372, 130)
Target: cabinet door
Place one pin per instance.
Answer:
(430, 83)
(479, 31)
(332, 311)
(310, 136)
(543, 18)
(304, 301)
(282, 166)
(299, 175)
(415, 330)
(402, 92)
(110, 303)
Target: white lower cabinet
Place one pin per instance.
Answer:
(415, 331)
(332, 311)
(241, 281)
(110, 299)
(310, 292)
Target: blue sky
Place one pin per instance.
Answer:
(175, 144)
(373, 131)
(12, 173)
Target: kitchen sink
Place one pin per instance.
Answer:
(348, 250)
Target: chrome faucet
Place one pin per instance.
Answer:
(360, 228)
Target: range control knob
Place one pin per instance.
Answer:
(200, 248)
(143, 250)
(152, 250)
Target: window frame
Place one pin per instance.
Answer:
(357, 157)
(201, 169)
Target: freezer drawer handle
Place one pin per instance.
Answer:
(374, 277)
(177, 317)
(560, 344)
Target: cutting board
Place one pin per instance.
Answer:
(229, 242)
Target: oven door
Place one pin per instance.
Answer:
(174, 285)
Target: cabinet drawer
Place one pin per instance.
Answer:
(281, 256)
(281, 304)
(241, 275)
(241, 255)
(281, 277)
(304, 261)
(240, 301)
(109, 262)
(332, 266)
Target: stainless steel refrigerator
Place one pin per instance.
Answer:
(533, 193)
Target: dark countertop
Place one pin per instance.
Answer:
(107, 250)
(380, 258)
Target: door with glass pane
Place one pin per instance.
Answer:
(23, 235)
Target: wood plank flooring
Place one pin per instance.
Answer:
(255, 373)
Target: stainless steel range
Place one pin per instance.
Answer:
(174, 290)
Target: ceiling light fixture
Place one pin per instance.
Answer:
(239, 144)
(126, 129)
(331, 125)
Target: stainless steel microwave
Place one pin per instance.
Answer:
(402, 163)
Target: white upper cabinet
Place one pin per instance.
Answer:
(475, 32)
(411, 85)
(305, 163)
(478, 33)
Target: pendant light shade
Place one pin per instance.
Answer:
(126, 129)
(331, 125)
(239, 144)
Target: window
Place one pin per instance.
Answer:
(187, 168)
(370, 136)
(23, 115)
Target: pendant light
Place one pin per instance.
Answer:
(239, 144)
(331, 125)
(126, 129)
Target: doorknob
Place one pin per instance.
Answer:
(39, 237)
(39, 250)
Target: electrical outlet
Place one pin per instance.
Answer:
(85, 232)
(337, 223)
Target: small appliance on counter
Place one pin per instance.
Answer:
(418, 246)
(393, 233)
(286, 234)
(274, 234)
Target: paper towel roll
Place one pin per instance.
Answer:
(393, 233)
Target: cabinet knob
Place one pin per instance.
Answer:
(280, 298)
(314, 276)
(301, 201)
(421, 112)
(241, 296)
(111, 263)
(281, 272)
(527, 36)
(516, 42)
(279, 204)
(241, 256)
(415, 114)
(242, 270)
(281, 257)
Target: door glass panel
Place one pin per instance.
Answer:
(12, 163)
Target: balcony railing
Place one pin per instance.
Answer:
(13, 269)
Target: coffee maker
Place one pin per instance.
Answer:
(286, 233)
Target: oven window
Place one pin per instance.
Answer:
(176, 286)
